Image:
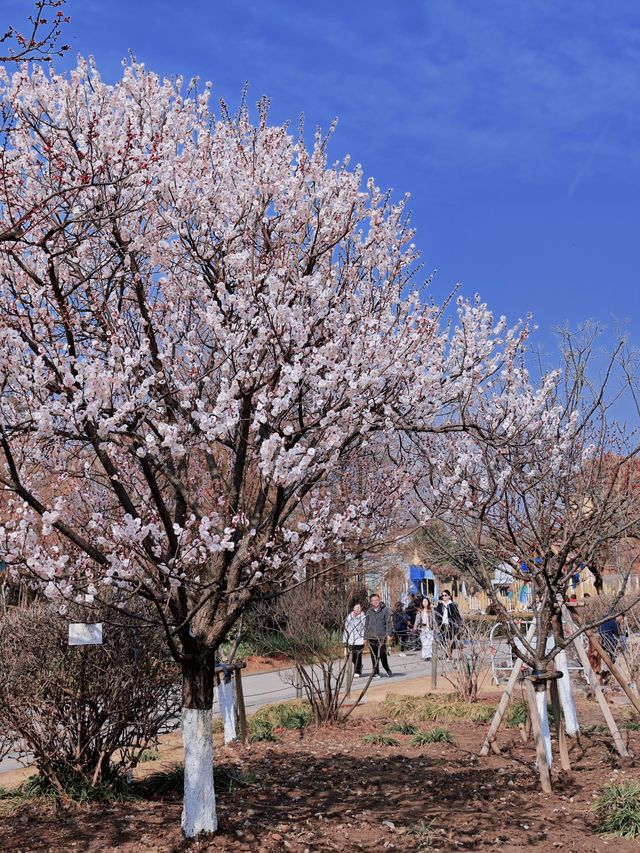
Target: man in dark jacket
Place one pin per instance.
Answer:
(378, 627)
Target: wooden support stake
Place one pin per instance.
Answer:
(242, 713)
(597, 689)
(558, 723)
(615, 671)
(434, 662)
(541, 754)
(504, 699)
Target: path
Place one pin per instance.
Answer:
(266, 688)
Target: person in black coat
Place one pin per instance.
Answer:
(448, 620)
(378, 628)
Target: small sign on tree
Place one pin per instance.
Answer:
(85, 634)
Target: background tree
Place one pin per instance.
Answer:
(203, 326)
(545, 498)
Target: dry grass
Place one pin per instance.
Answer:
(435, 708)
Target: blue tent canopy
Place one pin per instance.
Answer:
(417, 574)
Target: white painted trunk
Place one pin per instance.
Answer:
(227, 709)
(571, 723)
(199, 809)
(541, 701)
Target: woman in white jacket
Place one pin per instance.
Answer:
(424, 625)
(353, 637)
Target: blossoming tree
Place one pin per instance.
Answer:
(542, 495)
(203, 328)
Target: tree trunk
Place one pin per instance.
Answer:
(227, 709)
(541, 702)
(566, 695)
(199, 808)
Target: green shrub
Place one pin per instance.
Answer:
(433, 736)
(161, 783)
(171, 781)
(261, 729)
(296, 718)
(401, 728)
(517, 713)
(286, 715)
(8, 793)
(76, 789)
(380, 740)
(618, 810)
(148, 755)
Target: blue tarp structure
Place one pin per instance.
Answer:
(417, 574)
(525, 594)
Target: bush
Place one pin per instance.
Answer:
(76, 788)
(261, 729)
(401, 728)
(618, 810)
(380, 740)
(285, 715)
(517, 713)
(171, 781)
(433, 736)
(306, 625)
(84, 715)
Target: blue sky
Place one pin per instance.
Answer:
(515, 124)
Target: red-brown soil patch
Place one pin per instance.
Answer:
(329, 791)
(260, 663)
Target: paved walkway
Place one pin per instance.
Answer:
(266, 688)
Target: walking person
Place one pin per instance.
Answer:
(401, 627)
(378, 627)
(424, 626)
(353, 637)
(448, 621)
(609, 632)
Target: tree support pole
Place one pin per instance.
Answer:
(615, 671)
(597, 689)
(434, 662)
(536, 725)
(242, 712)
(504, 699)
(559, 726)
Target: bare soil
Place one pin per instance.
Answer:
(329, 791)
(262, 663)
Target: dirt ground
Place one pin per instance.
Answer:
(330, 791)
